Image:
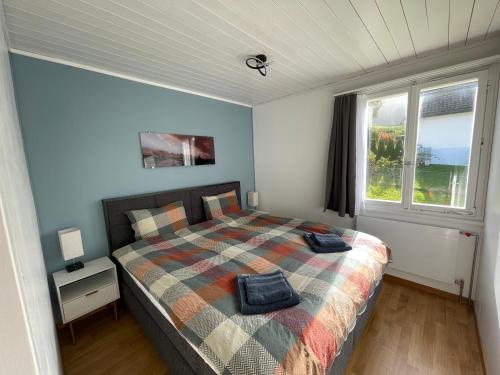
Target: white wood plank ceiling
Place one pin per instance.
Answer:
(200, 45)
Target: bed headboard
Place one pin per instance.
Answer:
(118, 227)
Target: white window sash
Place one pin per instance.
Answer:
(475, 150)
(378, 203)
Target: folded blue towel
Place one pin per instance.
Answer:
(265, 277)
(249, 309)
(320, 249)
(328, 240)
(269, 288)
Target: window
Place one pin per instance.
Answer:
(423, 145)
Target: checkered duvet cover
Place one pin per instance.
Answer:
(192, 275)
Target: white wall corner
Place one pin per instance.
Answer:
(487, 303)
(28, 339)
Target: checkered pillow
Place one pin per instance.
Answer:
(148, 222)
(218, 205)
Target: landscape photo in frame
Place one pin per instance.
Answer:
(176, 150)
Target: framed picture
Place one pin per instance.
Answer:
(176, 150)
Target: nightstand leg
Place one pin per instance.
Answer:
(115, 308)
(72, 332)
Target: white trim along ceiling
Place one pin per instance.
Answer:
(199, 46)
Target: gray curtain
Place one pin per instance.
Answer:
(341, 172)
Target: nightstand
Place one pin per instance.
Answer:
(83, 292)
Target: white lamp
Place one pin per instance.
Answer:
(253, 199)
(70, 240)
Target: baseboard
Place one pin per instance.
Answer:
(423, 288)
(483, 363)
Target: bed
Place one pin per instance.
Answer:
(180, 288)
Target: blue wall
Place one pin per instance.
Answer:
(81, 134)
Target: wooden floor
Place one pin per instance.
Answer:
(411, 332)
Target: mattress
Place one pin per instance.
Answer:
(190, 277)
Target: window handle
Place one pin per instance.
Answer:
(406, 163)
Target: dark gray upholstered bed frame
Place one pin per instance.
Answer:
(179, 357)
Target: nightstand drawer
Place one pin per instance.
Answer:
(93, 300)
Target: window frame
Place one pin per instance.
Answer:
(406, 204)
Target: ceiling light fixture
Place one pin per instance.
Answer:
(258, 62)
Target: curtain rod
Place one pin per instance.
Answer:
(431, 75)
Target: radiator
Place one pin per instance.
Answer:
(429, 255)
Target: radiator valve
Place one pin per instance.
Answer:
(460, 283)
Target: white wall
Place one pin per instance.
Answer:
(487, 303)
(291, 139)
(28, 343)
(16, 355)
